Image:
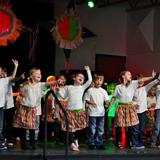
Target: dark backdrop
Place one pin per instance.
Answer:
(32, 13)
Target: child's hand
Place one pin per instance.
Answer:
(86, 68)
(153, 73)
(15, 62)
(94, 105)
(22, 75)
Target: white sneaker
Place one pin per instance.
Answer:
(73, 147)
(76, 143)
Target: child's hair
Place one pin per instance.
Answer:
(60, 75)
(121, 75)
(33, 70)
(98, 76)
(76, 74)
(139, 76)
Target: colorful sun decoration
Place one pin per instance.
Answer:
(10, 26)
(68, 31)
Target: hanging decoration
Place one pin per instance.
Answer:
(10, 26)
(67, 31)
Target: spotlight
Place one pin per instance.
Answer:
(91, 3)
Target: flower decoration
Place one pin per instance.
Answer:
(10, 26)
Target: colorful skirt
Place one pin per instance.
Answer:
(25, 117)
(150, 114)
(77, 120)
(126, 116)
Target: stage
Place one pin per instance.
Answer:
(57, 152)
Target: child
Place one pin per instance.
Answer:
(9, 110)
(75, 108)
(95, 97)
(126, 115)
(30, 106)
(156, 129)
(151, 103)
(4, 82)
(141, 98)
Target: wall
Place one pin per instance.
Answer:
(108, 23)
(143, 40)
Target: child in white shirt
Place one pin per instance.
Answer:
(96, 97)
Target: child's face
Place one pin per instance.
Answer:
(62, 80)
(153, 91)
(140, 83)
(127, 76)
(79, 79)
(36, 76)
(98, 82)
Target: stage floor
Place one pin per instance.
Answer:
(58, 152)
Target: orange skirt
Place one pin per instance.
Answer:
(25, 117)
(126, 116)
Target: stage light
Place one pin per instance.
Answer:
(91, 3)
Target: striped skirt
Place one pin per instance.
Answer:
(77, 121)
(126, 116)
(25, 117)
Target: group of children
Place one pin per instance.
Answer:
(84, 104)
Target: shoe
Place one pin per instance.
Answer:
(73, 147)
(10, 145)
(120, 146)
(33, 145)
(3, 147)
(76, 143)
(138, 146)
(153, 145)
(102, 147)
(92, 146)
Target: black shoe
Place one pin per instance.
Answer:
(33, 145)
(102, 147)
(91, 146)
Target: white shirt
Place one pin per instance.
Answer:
(141, 96)
(3, 90)
(125, 93)
(98, 96)
(74, 94)
(150, 101)
(9, 97)
(33, 95)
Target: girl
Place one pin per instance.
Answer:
(30, 106)
(75, 108)
(126, 115)
(150, 120)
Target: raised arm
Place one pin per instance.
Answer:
(152, 83)
(15, 69)
(89, 81)
(150, 77)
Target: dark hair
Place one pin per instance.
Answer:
(121, 75)
(139, 76)
(98, 76)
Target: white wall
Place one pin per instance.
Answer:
(108, 23)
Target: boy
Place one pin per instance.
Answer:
(95, 98)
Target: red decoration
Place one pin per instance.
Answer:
(51, 79)
(10, 26)
(64, 27)
(68, 31)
